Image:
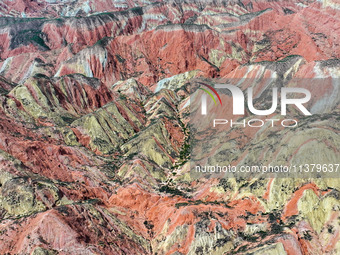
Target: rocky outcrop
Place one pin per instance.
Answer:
(47, 101)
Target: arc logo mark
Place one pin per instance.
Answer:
(204, 97)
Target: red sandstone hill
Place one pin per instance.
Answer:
(95, 129)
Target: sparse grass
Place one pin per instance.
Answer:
(171, 190)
